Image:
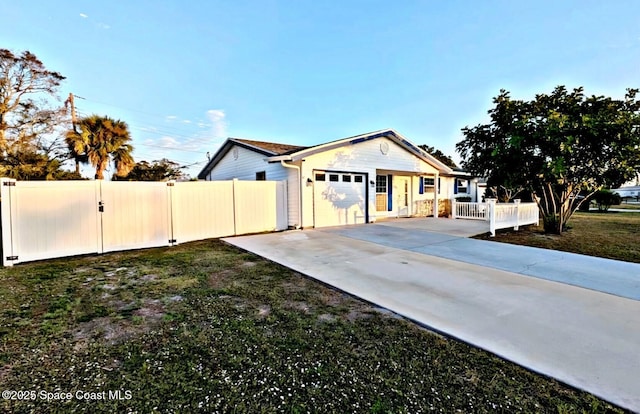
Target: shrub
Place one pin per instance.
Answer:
(463, 199)
(606, 199)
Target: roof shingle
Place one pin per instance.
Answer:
(273, 147)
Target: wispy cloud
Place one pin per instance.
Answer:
(186, 121)
(170, 117)
(218, 121)
(99, 25)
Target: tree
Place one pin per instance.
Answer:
(100, 140)
(158, 170)
(439, 155)
(556, 146)
(605, 199)
(29, 117)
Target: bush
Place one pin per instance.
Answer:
(585, 204)
(463, 199)
(606, 199)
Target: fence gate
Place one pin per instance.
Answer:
(135, 215)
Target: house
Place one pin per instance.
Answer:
(353, 180)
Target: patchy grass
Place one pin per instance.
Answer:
(627, 206)
(611, 235)
(204, 327)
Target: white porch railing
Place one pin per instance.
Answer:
(499, 216)
(473, 211)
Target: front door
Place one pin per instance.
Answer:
(402, 187)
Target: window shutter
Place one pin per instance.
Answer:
(421, 187)
(455, 186)
(389, 193)
(438, 185)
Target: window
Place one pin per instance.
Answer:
(381, 193)
(333, 177)
(346, 178)
(320, 177)
(261, 176)
(381, 184)
(462, 185)
(357, 178)
(428, 184)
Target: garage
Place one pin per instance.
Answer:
(339, 198)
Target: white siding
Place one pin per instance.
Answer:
(363, 157)
(246, 166)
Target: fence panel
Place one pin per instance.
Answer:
(514, 215)
(202, 210)
(259, 207)
(472, 211)
(45, 219)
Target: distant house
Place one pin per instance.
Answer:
(359, 179)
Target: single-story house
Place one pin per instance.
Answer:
(359, 179)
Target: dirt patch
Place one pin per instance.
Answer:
(332, 298)
(149, 278)
(299, 306)
(264, 311)
(103, 328)
(218, 280)
(326, 317)
(151, 309)
(248, 264)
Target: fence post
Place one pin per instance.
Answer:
(492, 216)
(8, 217)
(235, 207)
(454, 209)
(517, 208)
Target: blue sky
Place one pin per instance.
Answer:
(187, 74)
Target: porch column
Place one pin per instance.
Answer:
(435, 196)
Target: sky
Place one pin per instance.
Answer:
(185, 75)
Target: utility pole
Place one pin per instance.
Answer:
(71, 103)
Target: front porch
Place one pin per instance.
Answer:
(407, 194)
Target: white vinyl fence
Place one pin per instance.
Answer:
(499, 216)
(47, 219)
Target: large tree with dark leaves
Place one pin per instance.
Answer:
(29, 117)
(556, 146)
(159, 170)
(439, 155)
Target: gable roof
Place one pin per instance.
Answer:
(285, 152)
(386, 133)
(272, 147)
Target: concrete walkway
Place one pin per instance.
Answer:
(583, 337)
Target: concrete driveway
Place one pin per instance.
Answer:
(481, 293)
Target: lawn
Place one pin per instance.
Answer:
(204, 327)
(611, 235)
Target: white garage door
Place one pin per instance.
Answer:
(339, 198)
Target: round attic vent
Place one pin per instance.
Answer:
(384, 148)
(235, 153)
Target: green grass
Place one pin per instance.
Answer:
(611, 235)
(204, 327)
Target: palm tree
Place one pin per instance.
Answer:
(100, 140)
